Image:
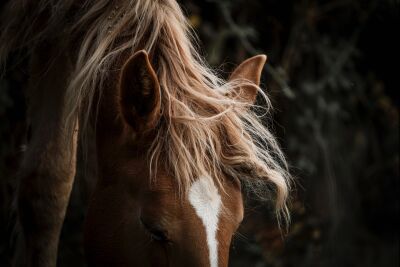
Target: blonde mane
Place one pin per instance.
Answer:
(202, 131)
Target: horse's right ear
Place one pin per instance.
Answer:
(250, 70)
(140, 96)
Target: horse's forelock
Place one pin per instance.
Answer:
(202, 132)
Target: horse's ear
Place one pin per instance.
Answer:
(250, 70)
(140, 96)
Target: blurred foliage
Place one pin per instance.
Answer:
(332, 79)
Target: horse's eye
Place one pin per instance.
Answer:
(158, 235)
(155, 232)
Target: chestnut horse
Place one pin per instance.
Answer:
(175, 144)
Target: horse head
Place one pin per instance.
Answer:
(141, 216)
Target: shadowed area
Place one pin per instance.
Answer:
(332, 79)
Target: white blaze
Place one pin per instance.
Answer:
(206, 201)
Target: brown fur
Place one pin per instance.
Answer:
(162, 121)
(48, 167)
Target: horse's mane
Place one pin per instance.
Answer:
(202, 131)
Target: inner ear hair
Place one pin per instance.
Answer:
(140, 95)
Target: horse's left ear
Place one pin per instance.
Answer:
(250, 70)
(140, 96)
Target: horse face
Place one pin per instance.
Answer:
(135, 220)
(132, 223)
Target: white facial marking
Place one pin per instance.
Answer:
(206, 201)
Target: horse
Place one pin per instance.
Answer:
(176, 145)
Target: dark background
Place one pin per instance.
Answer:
(333, 79)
